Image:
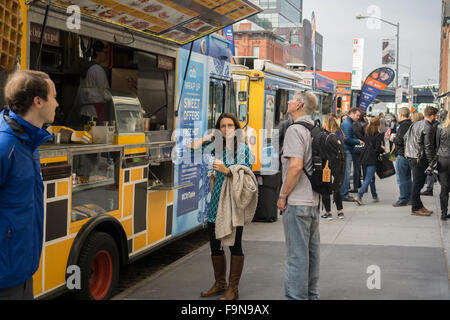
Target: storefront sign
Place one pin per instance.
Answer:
(165, 63)
(51, 36)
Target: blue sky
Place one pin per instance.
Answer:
(419, 34)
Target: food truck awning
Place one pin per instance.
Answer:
(178, 21)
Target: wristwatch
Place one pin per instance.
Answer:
(281, 197)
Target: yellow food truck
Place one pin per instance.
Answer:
(262, 97)
(111, 190)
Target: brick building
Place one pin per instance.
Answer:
(264, 44)
(445, 57)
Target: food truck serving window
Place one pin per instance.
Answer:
(179, 21)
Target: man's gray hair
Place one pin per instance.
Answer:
(404, 112)
(309, 100)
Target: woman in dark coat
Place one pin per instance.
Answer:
(443, 163)
(373, 141)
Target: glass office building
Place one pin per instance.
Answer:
(279, 14)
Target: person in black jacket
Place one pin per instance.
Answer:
(403, 170)
(359, 127)
(373, 142)
(443, 163)
(421, 151)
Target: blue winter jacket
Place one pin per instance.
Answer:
(350, 140)
(21, 199)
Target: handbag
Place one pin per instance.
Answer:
(385, 167)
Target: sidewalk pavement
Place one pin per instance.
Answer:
(410, 251)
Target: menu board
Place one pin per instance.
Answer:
(179, 21)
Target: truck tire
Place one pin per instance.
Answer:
(99, 264)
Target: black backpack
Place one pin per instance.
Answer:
(328, 156)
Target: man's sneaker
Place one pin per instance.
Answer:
(327, 216)
(427, 193)
(427, 211)
(341, 215)
(353, 191)
(400, 204)
(376, 200)
(359, 201)
(348, 198)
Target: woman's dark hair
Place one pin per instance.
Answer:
(22, 87)
(237, 126)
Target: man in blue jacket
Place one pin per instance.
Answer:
(350, 141)
(30, 97)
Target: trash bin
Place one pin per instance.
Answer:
(268, 192)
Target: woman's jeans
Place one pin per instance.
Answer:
(444, 178)
(348, 167)
(369, 179)
(404, 179)
(301, 230)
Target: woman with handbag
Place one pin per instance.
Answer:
(373, 141)
(234, 150)
(330, 125)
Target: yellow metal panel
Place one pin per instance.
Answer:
(135, 139)
(23, 44)
(128, 226)
(140, 242)
(77, 225)
(54, 159)
(128, 199)
(156, 216)
(136, 174)
(170, 196)
(37, 279)
(256, 116)
(63, 188)
(135, 150)
(56, 256)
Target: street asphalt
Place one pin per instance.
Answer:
(376, 252)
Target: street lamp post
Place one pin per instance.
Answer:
(397, 25)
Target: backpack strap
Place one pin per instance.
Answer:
(310, 128)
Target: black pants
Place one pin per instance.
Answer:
(337, 198)
(235, 250)
(23, 291)
(444, 178)
(419, 177)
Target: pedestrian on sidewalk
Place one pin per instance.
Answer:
(420, 141)
(393, 131)
(330, 125)
(443, 163)
(360, 127)
(350, 142)
(30, 97)
(418, 116)
(233, 151)
(403, 170)
(373, 141)
(431, 180)
(300, 204)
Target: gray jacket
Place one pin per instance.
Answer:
(443, 142)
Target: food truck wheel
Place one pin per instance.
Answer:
(99, 264)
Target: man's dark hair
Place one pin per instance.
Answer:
(97, 47)
(22, 87)
(354, 110)
(430, 111)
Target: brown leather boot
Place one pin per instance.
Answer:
(236, 266)
(220, 273)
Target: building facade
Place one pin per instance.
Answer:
(444, 77)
